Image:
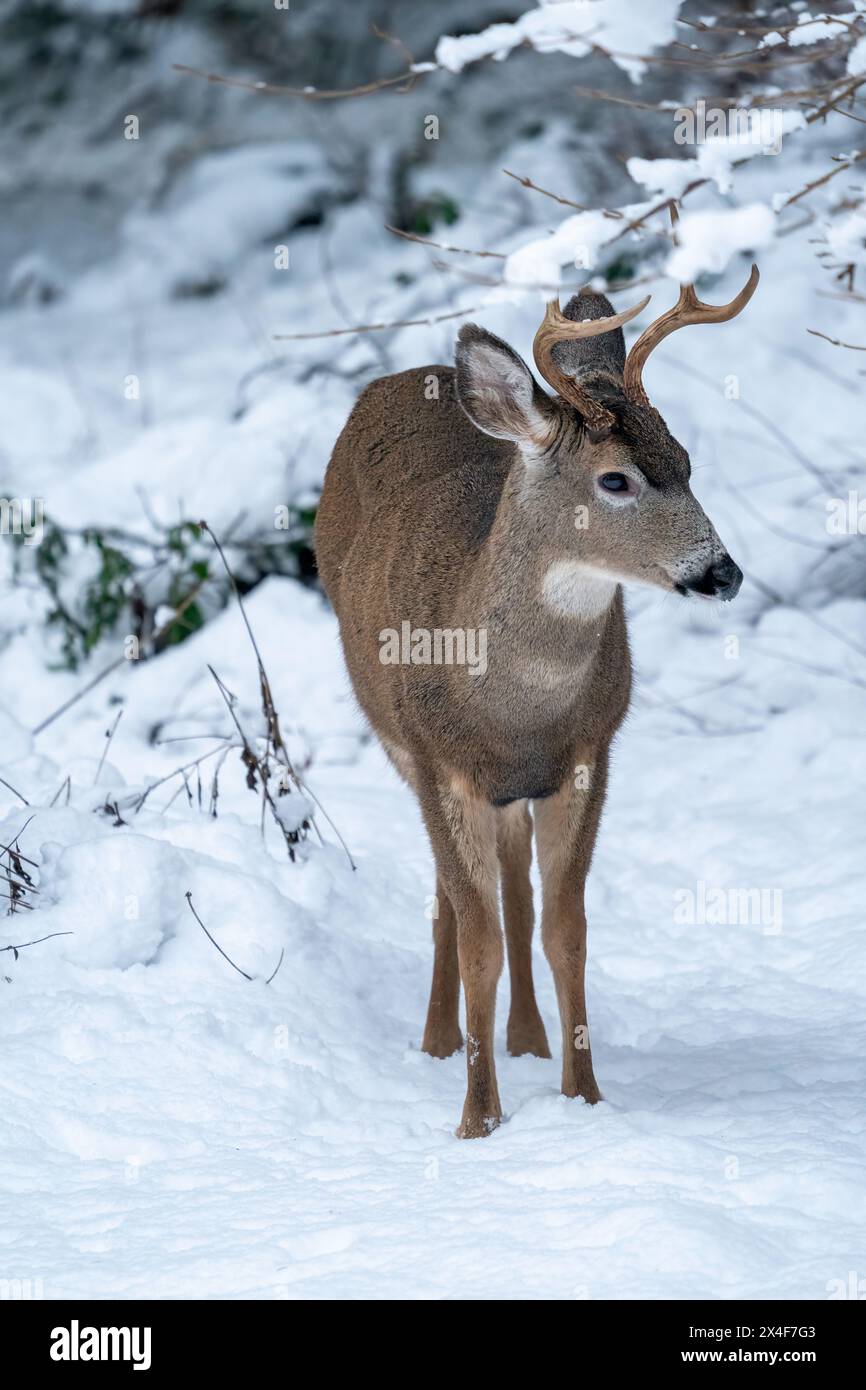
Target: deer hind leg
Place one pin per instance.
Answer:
(462, 829)
(525, 1032)
(442, 1035)
(566, 825)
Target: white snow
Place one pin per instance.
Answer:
(708, 240)
(623, 29)
(857, 58)
(846, 238)
(815, 29)
(751, 133)
(577, 241)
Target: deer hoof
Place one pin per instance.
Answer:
(524, 1038)
(477, 1126)
(442, 1043)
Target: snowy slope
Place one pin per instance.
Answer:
(172, 1129)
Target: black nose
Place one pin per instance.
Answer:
(721, 580)
(727, 576)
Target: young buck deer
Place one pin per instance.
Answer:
(493, 507)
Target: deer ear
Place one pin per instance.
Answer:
(498, 391)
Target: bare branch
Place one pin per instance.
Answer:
(843, 162)
(21, 944)
(375, 327)
(14, 792)
(276, 967)
(403, 82)
(214, 942)
(178, 772)
(595, 94)
(109, 735)
(837, 342)
(566, 202)
(440, 246)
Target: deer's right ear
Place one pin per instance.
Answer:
(498, 391)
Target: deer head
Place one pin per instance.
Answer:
(599, 459)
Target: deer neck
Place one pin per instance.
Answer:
(544, 608)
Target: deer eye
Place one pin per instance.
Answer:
(614, 482)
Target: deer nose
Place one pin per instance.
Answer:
(721, 579)
(727, 578)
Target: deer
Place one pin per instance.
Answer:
(467, 498)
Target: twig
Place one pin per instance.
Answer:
(770, 425)
(849, 114)
(335, 295)
(659, 207)
(780, 531)
(21, 944)
(441, 246)
(395, 42)
(269, 708)
(5, 849)
(851, 297)
(187, 738)
(837, 342)
(817, 670)
(67, 783)
(178, 772)
(843, 162)
(213, 941)
(15, 793)
(256, 767)
(374, 327)
(807, 613)
(101, 675)
(308, 93)
(598, 95)
(837, 96)
(79, 695)
(566, 202)
(250, 760)
(276, 968)
(711, 729)
(15, 899)
(109, 735)
(214, 786)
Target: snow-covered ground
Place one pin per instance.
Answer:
(172, 1129)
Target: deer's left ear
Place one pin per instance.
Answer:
(499, 393)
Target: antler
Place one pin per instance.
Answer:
(556, 328)
(688, 309)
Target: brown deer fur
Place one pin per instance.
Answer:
(482, 508)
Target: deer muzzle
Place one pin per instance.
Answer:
(721, 579)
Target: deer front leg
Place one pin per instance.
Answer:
(462, 830)
(566, 825)
(442, 1035)
(525, 1031)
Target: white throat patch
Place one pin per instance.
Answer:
(575, 590)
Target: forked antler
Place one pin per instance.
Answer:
(688, 309)
(556, 328)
